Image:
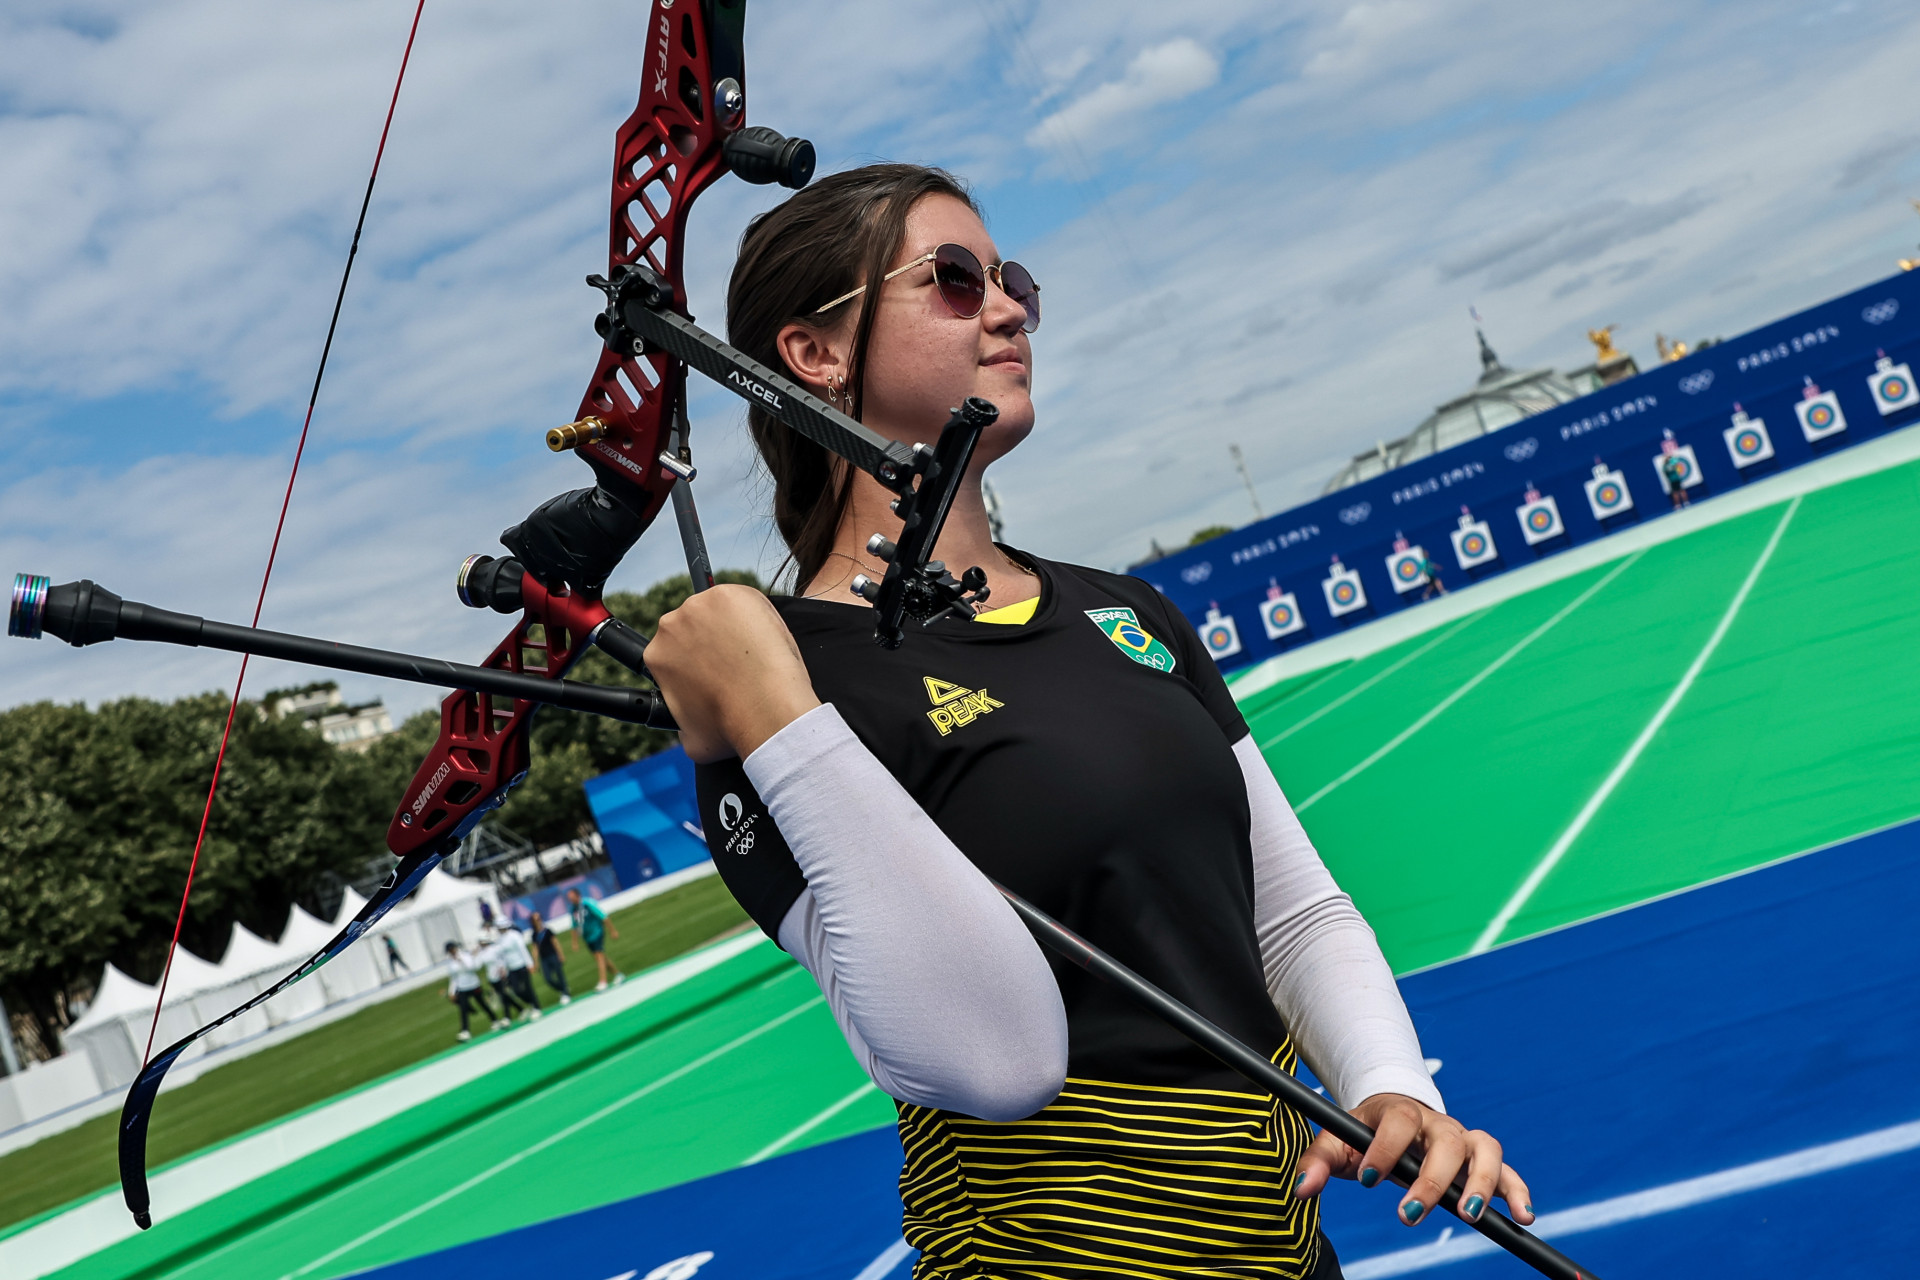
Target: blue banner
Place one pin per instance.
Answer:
(1834, 347)
(648, 816)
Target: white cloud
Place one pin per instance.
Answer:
(1288, 269)
(1160, 74)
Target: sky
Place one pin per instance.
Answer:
(1258, 224)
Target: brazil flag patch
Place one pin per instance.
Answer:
(1130, 638)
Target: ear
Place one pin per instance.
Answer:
(812, 355)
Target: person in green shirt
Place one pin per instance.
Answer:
(590, 925)
(1674, 469)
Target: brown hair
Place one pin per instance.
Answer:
(843, 231)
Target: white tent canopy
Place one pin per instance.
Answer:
(442, 888)
(192, 974)
(248, 953)
(305, 934)
(117, 994)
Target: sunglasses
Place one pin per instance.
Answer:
(962, 282)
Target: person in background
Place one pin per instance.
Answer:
(519, 962)
(1674, 468)
(1435, 587)
(394, 963)
(590, 926)
(552, 967)
(495, 963)
(463, 988)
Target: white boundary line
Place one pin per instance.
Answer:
(884, 1265)
(429, 1148)
(1361, 688)
(557, 1135)
(102, 1220)
(811, 1125)
(1806, 1163)
(1467, 688)
(1491, 934)
(1635, 905)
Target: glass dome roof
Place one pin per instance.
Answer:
(1499, 399)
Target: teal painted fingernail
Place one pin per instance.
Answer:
(1411, 1211)
(1474, 1205)
(1300, 1182)
(1529, 1208)
(1369, 1177)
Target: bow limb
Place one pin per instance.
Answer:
(137, 1111)
(667, 152)
(672, 147)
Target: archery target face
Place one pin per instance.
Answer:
(1690, 466)
(1407, 569)
(1748, 442)
(1220, 635)
(1893, 389)
(1608, 495)
(1344, 593)
(1473, 545)
(1281, 616)
(1540, 521)
(1820, 417)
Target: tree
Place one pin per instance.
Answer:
(103, 806)
(1209, 533)
(106, 807)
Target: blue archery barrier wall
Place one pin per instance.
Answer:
(550, 903)
(826, 1213)
(1836, 344)
(648, 816)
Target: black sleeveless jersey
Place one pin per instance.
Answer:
(1083, 759)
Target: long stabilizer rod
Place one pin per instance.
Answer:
(1323, 1111)
(83, 613)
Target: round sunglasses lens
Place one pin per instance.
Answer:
(1018, 283)
(963, 285)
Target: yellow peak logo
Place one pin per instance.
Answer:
(955, 705)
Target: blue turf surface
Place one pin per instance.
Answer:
(819, 1214)
(1734, 1023)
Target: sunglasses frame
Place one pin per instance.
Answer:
(993, 273)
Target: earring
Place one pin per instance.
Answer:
(837, 394)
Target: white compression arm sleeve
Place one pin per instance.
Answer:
(1324, 967)
(942, 994)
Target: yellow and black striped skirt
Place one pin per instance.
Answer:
(1110, 1180)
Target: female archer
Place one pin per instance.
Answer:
(1073, 742)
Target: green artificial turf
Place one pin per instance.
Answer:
(1434, 777)
(331, 1059)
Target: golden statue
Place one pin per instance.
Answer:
(1604, 352)
(1669, 351)
(1908, 264)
